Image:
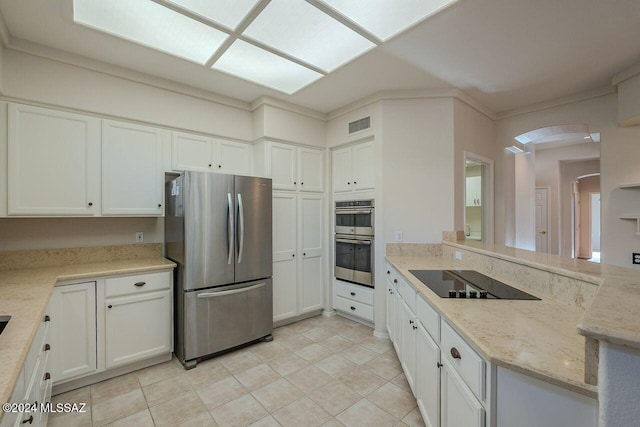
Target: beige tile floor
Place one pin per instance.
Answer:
(317, 372)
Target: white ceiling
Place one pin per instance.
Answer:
(504, 53)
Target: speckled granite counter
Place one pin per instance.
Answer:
(537, 338)
(25, 293)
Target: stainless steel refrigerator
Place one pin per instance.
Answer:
(218, 231)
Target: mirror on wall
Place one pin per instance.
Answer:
(473, 229)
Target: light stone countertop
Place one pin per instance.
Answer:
(536, 338)
(614, 314)
(24, 295)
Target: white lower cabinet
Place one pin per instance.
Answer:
(109, 323)
(408, 344)
(298, 254)
(459, 406)
(428, 378)
(73, 333)
(141, 306)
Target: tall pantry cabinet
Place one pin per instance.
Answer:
(298, 225)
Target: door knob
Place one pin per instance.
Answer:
(543, 232)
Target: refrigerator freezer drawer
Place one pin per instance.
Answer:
(221, 318)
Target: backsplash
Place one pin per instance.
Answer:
(67, 256)
(414, 249)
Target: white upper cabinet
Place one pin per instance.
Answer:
(203, 153)
(473, 190)
(291, 168)
(54, 162)
(132, 175)
(353, 168)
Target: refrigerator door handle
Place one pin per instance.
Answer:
(230, 292)
(240, 228)
(230, 226)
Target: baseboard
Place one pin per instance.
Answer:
(328, 313)
(298, 318)
(381, 335)
(355, 319)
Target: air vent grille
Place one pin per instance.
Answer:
(361, 124)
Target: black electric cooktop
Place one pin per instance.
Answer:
(468, 284)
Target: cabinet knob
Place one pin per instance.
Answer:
(47, 318)
(411, 322)
(355, 182)
(353, 308)
(348, 183)
(295, 182)
(159, 205)
(109, 306)
(28, 420)
(293, 255)
(353, 294)
(210, 165)
(439, 365)
(47, 376)
(304, 254)
(455, 353)
(302, 183)
(90, 204)
(395, 280)
(388, 272)
(139, 284)
(414, 327)
(47, 347)
(219, 166)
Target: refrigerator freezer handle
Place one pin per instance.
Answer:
(240, 227)
(230, 226)
(230, 292)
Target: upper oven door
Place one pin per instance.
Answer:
(354, 221)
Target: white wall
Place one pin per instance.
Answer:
(547, 168)
(620, 157)
(473, 132)
(285, 125)
(525, 208)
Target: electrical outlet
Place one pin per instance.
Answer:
(458, 255)
(398, 236)
(139, 237)
(636, 258)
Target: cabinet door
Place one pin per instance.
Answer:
(131, 169)
(311, 170)
(428, 378)
(234, 157)
(408, 345)
(283, 166)
(285, 295)
(473, 194)
(458, 405)
(73, 331)
(137, 327)
(53, 162)
(341, 167)
(310, 231)
(363, 176)
(192, 152)
(391, 312)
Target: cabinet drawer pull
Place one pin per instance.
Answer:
(455, 353)
(138, 284)
(28, 420)
(353, 294)
(353, 308)
(47, 347)
(47, 376)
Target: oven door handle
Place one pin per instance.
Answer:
(353, 212)
(357, 242)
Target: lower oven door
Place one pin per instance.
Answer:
(354, 260)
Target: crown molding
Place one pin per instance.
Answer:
(566, 100)
(5, 37)
(286, 106)
(625, 75)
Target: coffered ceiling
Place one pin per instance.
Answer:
(504, 53)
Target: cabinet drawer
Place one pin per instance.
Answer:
(469, 365)
(354, 308)
(127, 285)
(408, 294)
(354, 292)
(429, 318)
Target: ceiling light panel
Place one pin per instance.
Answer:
(304, 32)
(228, 13)
(385, 18)
(259, 66)
(147, 23)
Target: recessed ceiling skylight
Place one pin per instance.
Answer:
(225, 12)
(304, 32)
(386, 18)
(150, 24)
(257, 65)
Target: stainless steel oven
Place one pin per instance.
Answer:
(354, 259)
(355, 217)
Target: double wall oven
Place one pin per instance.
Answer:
(354, 241)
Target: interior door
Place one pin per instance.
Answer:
(542, 220)
(209, 209)
(253, 228)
